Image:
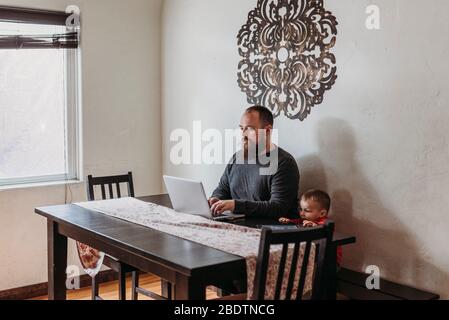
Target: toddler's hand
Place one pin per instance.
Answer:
(309, 224)
(284, 220)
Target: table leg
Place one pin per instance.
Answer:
(57, 262)
(167, 289)
(188, 288)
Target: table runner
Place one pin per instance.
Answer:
(238, 240)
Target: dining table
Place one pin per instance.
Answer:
(191, 267)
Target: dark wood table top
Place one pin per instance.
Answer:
(172, 251)
(182, 255)
(340, 239)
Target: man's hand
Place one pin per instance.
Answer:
(309, 224)
(221, 206)
(212, 201)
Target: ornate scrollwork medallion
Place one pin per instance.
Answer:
(286, 59)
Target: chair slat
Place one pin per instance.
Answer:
(103, 192)
(130, 185)
(302, 277)
(119, 194)
(90, 188)
(280, 279)
(321, 248)
(111, 193)
(262, 266)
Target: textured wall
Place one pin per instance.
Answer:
(378, 143)
(121, 127)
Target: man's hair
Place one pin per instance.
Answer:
(318, 196)
(265, 114)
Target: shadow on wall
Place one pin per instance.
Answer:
(382, 239)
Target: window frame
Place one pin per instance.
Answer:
(73, 124)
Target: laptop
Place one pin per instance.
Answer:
(188, 196)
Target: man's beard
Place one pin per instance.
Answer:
(251, 150)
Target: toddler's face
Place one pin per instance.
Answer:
(311, 210)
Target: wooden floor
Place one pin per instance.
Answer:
(109, 290)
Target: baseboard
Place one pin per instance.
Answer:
(41, 289)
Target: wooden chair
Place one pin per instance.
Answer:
(320, 236)
(108, 183)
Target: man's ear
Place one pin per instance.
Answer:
(323, 213)
(268, 130)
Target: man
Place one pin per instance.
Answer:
(243, 189)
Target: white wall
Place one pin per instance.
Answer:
(378, 143)
(121, 86)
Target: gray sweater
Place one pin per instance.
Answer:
(256, 195)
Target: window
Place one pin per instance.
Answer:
(39, 97)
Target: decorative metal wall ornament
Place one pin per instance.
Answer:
(286, 63)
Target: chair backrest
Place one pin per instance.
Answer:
(320, 236)
(109, 182)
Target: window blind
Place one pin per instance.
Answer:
(22, 28)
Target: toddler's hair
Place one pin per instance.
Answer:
(318, 196)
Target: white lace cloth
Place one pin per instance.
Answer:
(237, 240)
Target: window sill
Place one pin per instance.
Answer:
(39, 185)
